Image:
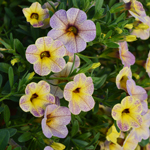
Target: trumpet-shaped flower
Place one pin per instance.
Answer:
(112, 134)
(138, 93)
(37, 98)
(46, 55)
(121, 79)
(142, 29)
(136, 9)
(55, 120)
(130, 142)
(126, 56)
(142, 132)
(128, 113)
(147, 65)
(72, 28)
(55, 89)
(36, 15)
(78, 92)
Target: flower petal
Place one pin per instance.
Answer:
(31, 88)
(116, 111)
(25, 103)
(57, 91)
(43, 87)
(123, 124)
(74, 107)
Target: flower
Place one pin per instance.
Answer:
(112, 134)
(46, 55)
(128, 113)
(147, 65)
(55, 89)
(142, 132)
(36, 15)
(126, 56)
(136, 9)
(37, 98)
(78, 92)
(137, 92)
(142, 29)
(55, 120)
(122, 78)
(72, 29)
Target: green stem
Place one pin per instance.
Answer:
(17, 125)
(5, 97)
(89, 56)
(59, 78)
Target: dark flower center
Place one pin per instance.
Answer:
(45, 54)
(34, 16)
(33, 97)
(126, 111)
(73, 30)
(77, 90)
(128, 6)
(48, 119)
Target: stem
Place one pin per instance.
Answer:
(5, 97)
(18, 125)
(59, 78)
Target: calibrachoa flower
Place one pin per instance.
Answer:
(55, 89)
(122, 78)
(141, 29)
(126, 56)
(36, 15)
(138, 93)
(147, 65)
(37, 98)
(136, 9)
(128, 113)
(46, 55)
(142, 132)
(78, 92)
(55, 120)
(73, 29)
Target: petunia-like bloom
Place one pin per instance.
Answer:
(126, 56)
(147, 65)
(130, 142)
(112, 134)
(136, 9)
(46, 55)
(78, 92)
(138, 93)
(128, 113)
(35, 14)
(142, 29)
(37, 98)
(55, 120)
(121, 79)
(55, 89)
(142, 132)
(72, 28)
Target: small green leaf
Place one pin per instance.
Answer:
(87, 60)
(4, 67)
(84, 136)
(19, 47)
(112, 45)
(85, 69)
(116, 7)
(18, 148)
(1, 109)
(98, 5)
(9, 147)
(4, 138)
(12, 131)
(115, 123)
(6, 114)
(121, 17)
(25, 137)
(1, 80)
(11, 76)
(75, 128)
(98, 82)
(5, 44)
(75, 4)
(62, 5)
(98, 29)
(109, 33)
(144, 142)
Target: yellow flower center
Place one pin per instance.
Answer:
(77, 90)
(126, 111)
(33, 97)
(34, 16)
(45, 54)
(73, 30)
(123, 81)
(48, 119)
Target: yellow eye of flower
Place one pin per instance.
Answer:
(72, 29)
(34, 16)
(48, 119)
(45, 54)
(77, 90)
(33, 97)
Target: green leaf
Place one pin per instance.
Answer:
(62, 5)
(75, 128)
(85, 58)
(109, 33)
(115, 123)
(116, 7)
(98, 29)
(12, 131)
(85, 69)
(98, 82)
(121, 17)
(18, 148)
(1, 80)
(6, 114)
(4, 138)
(5, 44)
(1, 109)
(11, 76)
(112, 45)
(25, 137)
(111, 2)
(9, 147)
(144, 142)
(4, 67)
(98, 5)
(96, 107)
(84, 136)
(19, 47)
(75, 4)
